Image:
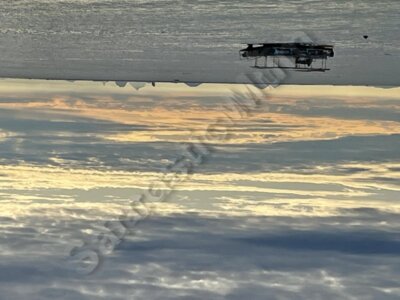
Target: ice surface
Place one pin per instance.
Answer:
(193, 41)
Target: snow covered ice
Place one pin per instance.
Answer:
(193, 41)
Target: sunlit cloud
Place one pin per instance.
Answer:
(299, 199)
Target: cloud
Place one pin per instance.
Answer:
(300, 203)
(193, 256)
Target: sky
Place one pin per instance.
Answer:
(295, 197)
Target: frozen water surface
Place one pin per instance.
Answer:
(193, 41)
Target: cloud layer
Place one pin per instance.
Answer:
(301, 202)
